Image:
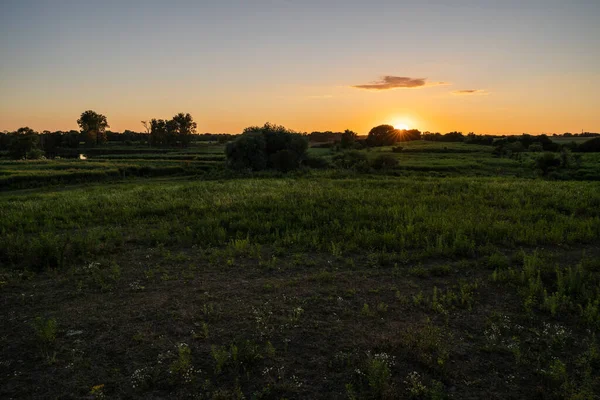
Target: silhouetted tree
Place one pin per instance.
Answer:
(383, 135)
(248, 151)
(50, 142)
(159, 135)
(348, 139)
(71, 139)
(269, 146)
(93, 126)
(25, 144)
(183, 127)
(147, 126)
(177, 131)
(5, 140)
(324, 137)
(472, 138)
(410, 134)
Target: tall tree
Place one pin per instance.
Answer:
(147, 126)
(383, 135)
(158, 132)
(176, 131)
(25, 144)
(348, 139)
(93, 126)
(184, 127)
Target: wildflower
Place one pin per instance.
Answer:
(389, 360)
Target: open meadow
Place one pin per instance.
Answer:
(300, 200)
(452, 273)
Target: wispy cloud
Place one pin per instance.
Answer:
(467, 92)
(398, 82)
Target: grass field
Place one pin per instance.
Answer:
(456, 275)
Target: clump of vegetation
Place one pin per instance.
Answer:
(45, 332)
(590, 146)
(25, 144)
(93, 127)
(379, 373)
(384, 161)
(176, 132)
(387, 135)
(316, 162)
(556, 289)
(448, 137)
(267, 147)
(547, 162)
(348, 139)
(182, 367)
(353, 160)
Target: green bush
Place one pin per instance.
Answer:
(590, 146)
(35, 154)
(348, 139)
(284, 160)
(384, 161)
(269, 146)
(316, 162)
(535, 148)
(25, 143)
(547, 162)
(247, 152)
(352, 159)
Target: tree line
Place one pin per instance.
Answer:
(271, 143)
(178, 131)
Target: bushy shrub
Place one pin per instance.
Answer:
(25, 143)
(348, 139)
(590, 146)
(352, 159)
(316, 162)
(384, 161)
(35, 154)
(547, 162)
(536, 148)
(472, 138)
(284, 160)
(247, 152)
(269, 146)
(567, 160)
(513, 144)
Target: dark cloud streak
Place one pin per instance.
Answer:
(395, 82)
(470, 92)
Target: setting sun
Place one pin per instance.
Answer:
(401, 126)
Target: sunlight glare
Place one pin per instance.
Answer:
(401, 126)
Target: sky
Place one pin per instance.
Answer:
(483, 66)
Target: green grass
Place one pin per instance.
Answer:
(455, 275)
(26, 174)
(434, 216)
(111, 163)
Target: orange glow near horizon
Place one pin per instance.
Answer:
(474, 69)
(401, 126)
